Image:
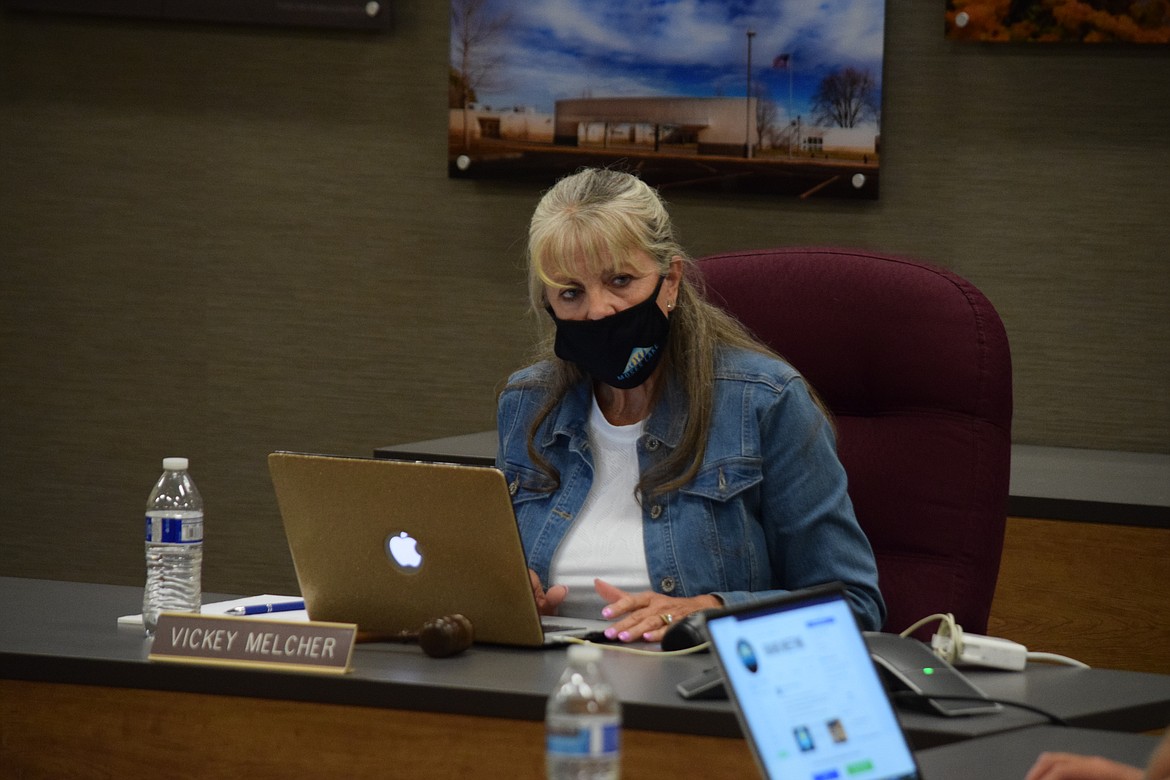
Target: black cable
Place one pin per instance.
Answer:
(925, 698)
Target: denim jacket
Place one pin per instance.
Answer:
(767, 511)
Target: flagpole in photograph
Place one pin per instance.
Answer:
(785, 61)
(747, 119)
(788, 67)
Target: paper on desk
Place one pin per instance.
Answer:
(221, 608)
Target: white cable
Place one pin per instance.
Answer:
(948, 642)
(946, 617)
(1057, 659)
(576, 640)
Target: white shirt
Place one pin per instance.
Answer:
(605, 541)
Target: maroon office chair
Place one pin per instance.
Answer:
(914, 364)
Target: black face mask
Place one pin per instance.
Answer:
(621, 350)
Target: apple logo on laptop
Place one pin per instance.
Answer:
(403, 552)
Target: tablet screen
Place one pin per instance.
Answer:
(808, 696)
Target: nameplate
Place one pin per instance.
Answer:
(300, 646)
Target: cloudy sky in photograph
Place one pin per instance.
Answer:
(553, 49)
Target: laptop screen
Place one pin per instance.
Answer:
(807, 694)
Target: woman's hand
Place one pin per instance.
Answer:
(645, 616)
(1069, 766)
(547, 602)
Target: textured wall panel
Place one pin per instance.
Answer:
(218, 241)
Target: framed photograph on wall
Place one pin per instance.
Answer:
(1059, 21)
(780, 97)
(338, 14)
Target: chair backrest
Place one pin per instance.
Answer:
(913, 361)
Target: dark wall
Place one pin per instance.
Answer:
(218, 241)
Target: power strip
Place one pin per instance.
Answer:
(978, 650)
(955, 646)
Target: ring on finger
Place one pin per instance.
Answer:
(667, 619)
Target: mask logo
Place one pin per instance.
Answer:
(638, 358)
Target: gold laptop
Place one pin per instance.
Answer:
(390, 544)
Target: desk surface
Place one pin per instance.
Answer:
(478, 449)
(1009, 755)
(67, 632)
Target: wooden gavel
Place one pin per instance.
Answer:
(440, 637)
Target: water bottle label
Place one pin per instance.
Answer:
(596, 740)
(174, 530)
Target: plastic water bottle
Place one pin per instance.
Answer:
(174, 545)
(583, 721)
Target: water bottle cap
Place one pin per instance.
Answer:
(584, 654)
(174, 464)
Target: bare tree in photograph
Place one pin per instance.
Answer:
(475, 54)
(458, 93)
(766, 117)
(846, 98)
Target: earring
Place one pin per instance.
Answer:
(670, 306)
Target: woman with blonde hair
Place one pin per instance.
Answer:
(661, 460)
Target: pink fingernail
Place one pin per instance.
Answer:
(607, 613)
(624, 636)
(610, 633)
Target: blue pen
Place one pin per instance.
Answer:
(263, 609)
